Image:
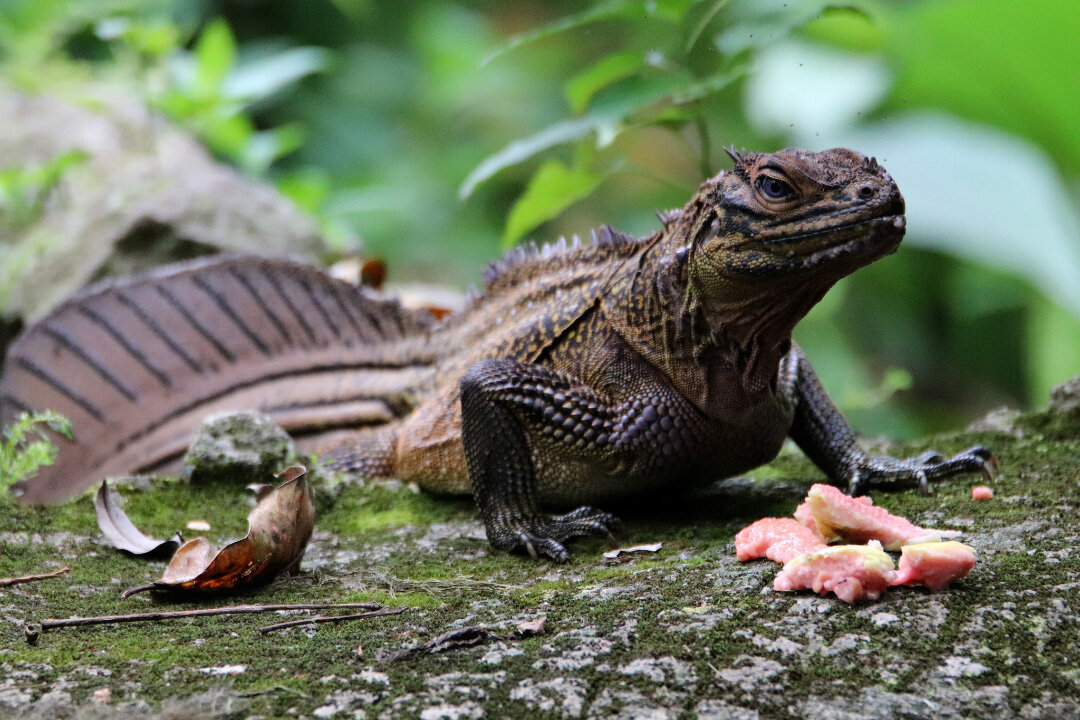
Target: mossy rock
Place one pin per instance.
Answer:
(685, 632)
(239, 447)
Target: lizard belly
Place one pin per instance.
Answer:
(716, 450)
(429, 448)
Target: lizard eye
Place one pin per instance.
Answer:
(774, 188)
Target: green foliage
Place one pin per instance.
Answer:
(23, 190)
(552, 189)
(552, 116)
(20, 457)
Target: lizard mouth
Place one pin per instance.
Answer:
(865, 239)
(896, 222)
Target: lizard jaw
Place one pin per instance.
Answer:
(863, 241)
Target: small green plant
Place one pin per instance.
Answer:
(20, 456)
(23, 190)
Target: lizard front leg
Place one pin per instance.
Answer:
(499, 400)
(825, 436)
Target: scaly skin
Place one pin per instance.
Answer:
(583, 372)
(633, 364)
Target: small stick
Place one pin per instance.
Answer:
(5, 582)
(335, 618)
(32, 630)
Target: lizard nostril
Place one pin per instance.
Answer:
(867, 191)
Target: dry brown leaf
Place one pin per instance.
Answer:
(278, 532)
(122, 533)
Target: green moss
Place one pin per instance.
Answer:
(369, 547)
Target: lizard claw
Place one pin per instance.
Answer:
(545, 535)
(924, 482)
(856, 485)
(921, 471)
(524, 539)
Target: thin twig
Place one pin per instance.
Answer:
(5, 582)
(32, 630)
(334, 618)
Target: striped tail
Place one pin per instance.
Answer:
(136, 364)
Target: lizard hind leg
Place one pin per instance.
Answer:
(369, 452)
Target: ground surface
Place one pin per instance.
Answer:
(687, 632)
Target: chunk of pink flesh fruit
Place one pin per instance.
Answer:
(779, 539)
(934, 564)
(981, 492)
(803, 514)
(852, 572)
(839, 517)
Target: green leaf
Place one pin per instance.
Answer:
(1011, 64)
(703, 22)
(606, 120)
(215, 54)
(603, 11)
(1053, 348)
(552, 190)
(581, 88)
(260, 78)
(20, 458)
(157, 39)
(521, 150)
(266, 146)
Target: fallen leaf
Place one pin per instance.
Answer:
(653, 547)
(373, 273)
(122, 533)
(260, 490)
(278, 532)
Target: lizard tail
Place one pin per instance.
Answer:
(370, 452)
(136, 364)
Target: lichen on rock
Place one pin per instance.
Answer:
(243, 447)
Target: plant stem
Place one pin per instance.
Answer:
(32, 630)
(6, 582)
(335, 618)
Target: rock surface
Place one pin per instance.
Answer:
(685, 632)
(136, 192)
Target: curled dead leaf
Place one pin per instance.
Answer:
(122, 533)
(278, 532)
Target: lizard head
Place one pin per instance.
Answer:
(793, 214)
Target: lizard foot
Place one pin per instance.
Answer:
(546, 534)
(885, 472)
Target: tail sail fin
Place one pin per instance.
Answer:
(136, 364)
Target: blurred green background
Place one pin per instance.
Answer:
(433, 134)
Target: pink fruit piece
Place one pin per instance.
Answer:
(804, 516)
(779, 539)
(981, 492)
(852, 572)
(839, 517)
(934, 564)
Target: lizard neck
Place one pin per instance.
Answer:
(718, 348)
